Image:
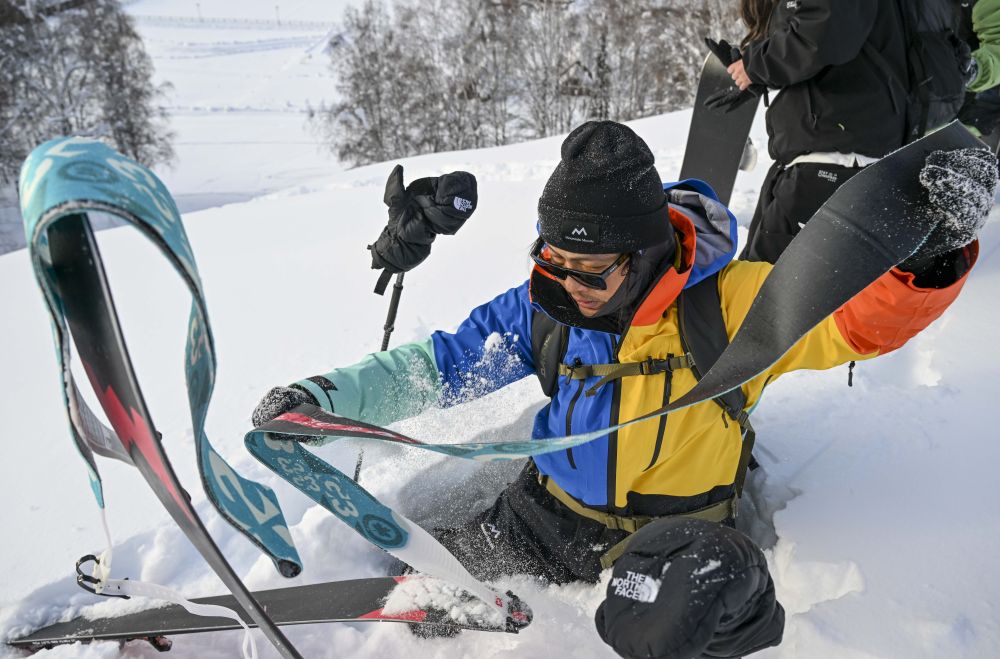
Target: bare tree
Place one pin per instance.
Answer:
(434, 75)
(549, 89)
(76, 69)
(375, 118)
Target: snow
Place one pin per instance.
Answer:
(875, 503)
(457, 604)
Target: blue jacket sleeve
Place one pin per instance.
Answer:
(489, 350)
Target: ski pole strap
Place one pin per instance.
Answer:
(383, 282)
(609, 372)
(716, 512)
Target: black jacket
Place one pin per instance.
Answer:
(838, 64)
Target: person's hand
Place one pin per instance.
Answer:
(732, 98)
(723, 50)
(278, 401)
(419, 212)
(739, 74)
(961, 185)
(967, 63)
(981, 111)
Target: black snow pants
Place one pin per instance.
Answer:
(527, 531)
(684, 588)
(788, 198)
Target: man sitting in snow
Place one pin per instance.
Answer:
(602, 321)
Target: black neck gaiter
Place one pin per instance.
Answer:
(644, 269)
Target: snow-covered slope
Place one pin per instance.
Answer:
(242, 76)
(876, 502)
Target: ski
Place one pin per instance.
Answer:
(60, 183)
(870, 224)
(93, 322)
(716, 138)
(410, 599)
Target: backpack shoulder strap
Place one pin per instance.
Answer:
(704, 336)
(549, 340)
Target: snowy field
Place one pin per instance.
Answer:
(242, 75)
(876, 503)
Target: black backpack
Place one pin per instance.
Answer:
(935, 57)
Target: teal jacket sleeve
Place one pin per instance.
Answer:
(489, 350)
(381, 388)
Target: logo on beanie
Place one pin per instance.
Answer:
(488, 531)
(637, 586)
(462, 205)
(587, 233)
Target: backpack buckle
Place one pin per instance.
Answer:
(653, 366)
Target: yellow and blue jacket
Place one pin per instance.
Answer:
(677, 463)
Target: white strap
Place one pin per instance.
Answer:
(128, 588)
(834, 158)
(131, 588)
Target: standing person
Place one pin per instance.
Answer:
(618, 254)
(847, 93)
(839, 106)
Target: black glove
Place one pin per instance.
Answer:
(278, 401)
(687, 588)
(961, 185)
(726, 52)
(417, 213)
(730, 99)
(981, 111)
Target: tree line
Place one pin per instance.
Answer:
(76, 68)
(418, 76)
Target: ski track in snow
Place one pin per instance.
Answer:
(873, 503)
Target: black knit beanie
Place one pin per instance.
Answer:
(605, 195)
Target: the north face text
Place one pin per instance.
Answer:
(636, 586)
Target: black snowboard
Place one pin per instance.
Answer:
(716, 138)
(357, 600)
(90, 311)
(870, 224)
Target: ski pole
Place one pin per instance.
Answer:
(390, 324)
(436, 205)
(390, 319)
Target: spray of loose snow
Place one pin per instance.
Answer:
(453, 603)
